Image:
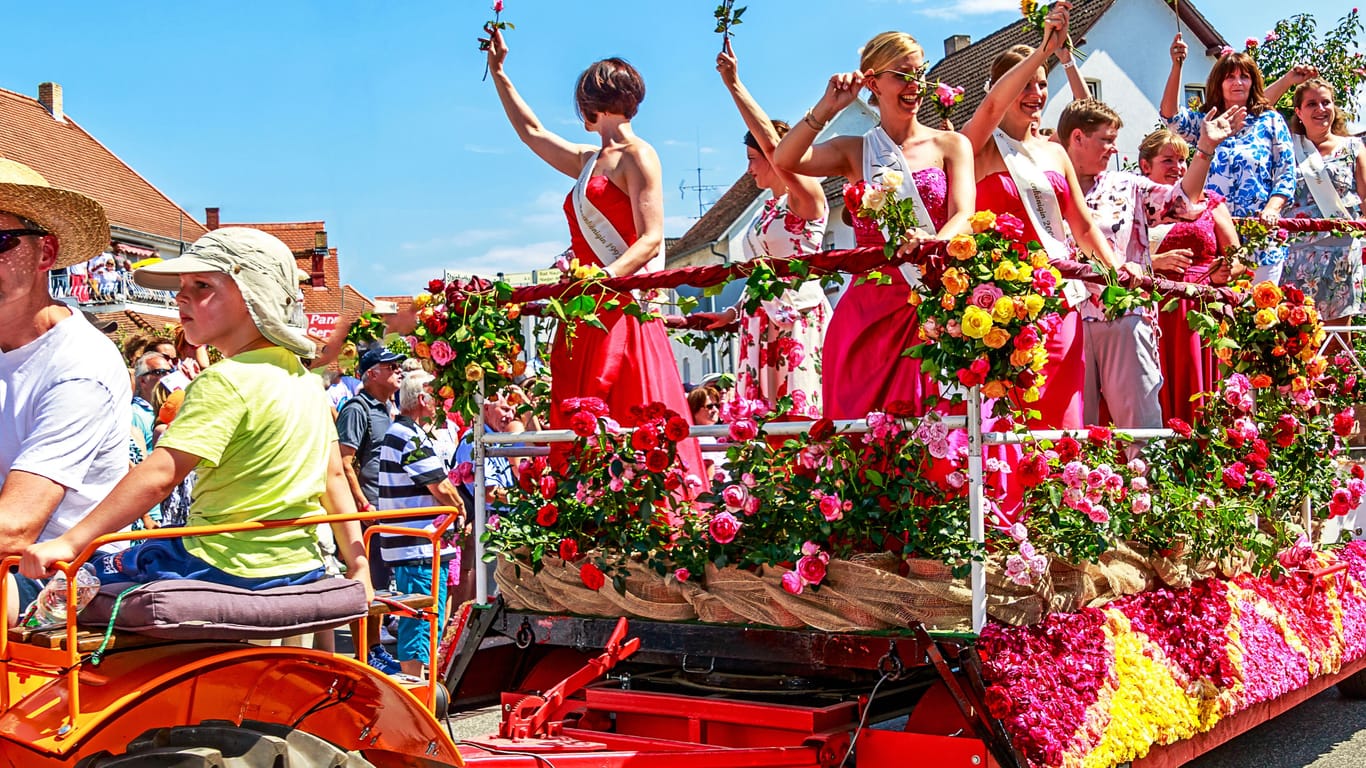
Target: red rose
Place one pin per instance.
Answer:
(1068, 449)
(999, 704)
(1287, 427)
(592, 577)
(1098, 435)
(967, 378)
(822, 430)
(853, 196)
(1358, 472)
(672, 482)
(1027, 338)
(1033, 470)
(657, 460)
(901, 409)
(436, 287)
(655, 410)
(1344, 423)
(548, 486)
(1235, 475)
(583, 423)
(676, 428)
(1179, 427)
(569, 549)
(547, 514)
(644, 438)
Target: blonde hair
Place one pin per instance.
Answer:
(1008, 59)
(879, 53)
(1153, 144)
(1339, 126)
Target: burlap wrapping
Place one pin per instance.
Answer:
(521, 588)
(561, 581)
(651, 596)
(827, 609)
(746, 595)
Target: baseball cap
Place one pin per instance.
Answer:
(264, 270)
(377, 356)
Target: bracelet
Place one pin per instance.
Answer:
(1206, 153)
(810, 119)
(1069, 65)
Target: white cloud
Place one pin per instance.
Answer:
(969, 8)
(480, 149)
(512, 258)
(464, 238)
(675, 226)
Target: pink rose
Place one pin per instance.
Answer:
(831, 508)
(463, 473)
(1009, 226)
(811, 569)
(734, 496)
(1225, 51)
(743, 430)
(792, 582)
(723, 528)
(1044, 282)
(682, 574)
(985, 296)
(442, 354)
(497, 6)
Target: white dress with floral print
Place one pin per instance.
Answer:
(778, 352)
(1325, 267)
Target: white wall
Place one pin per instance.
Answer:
(1127, 52)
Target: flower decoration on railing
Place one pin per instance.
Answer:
(468, 333)
(1269, 332)
(986, 311)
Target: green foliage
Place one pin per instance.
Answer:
(1297, 40)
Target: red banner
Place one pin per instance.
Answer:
(320, 324)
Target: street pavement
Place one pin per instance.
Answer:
(1328, 731)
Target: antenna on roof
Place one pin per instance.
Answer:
(684, 187)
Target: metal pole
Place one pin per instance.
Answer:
(976, 507)
(481, 581)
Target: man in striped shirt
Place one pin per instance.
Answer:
(412, 475)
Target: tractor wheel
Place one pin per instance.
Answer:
(1353, 687)
(222, 744)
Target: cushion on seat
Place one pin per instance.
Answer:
(183, 609)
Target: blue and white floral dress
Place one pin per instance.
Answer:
(1248, 167)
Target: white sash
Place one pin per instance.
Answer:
(1315, 174)
(880, 155)
(1156, 235)
(1041, 207)
(607, 243)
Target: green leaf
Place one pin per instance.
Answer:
(687, 304)
(581, 305)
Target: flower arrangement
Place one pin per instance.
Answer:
(986, 315)
(878, 200)
(1269, 332)
(945, 98)
(1036, 17)
(1101, 687)
(468, 333)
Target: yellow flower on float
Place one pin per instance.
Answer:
(421, 300)
(1266, 294)
(976, 322)
(955, 281)
(1034, 303)
(1299, 384)
(996, 338)
(1033, 394)
(1006, 271)
(994, 389)
(1316, 366)
(1317, 338)
(1003, 311)
(1265, 318)
(1024, 272)
(1308, 354)
(947, 301)
(1283, 312)
(1040, 353)
(982, 221)
(913, 298)
(1038, 259)
(962, 247)
(1224, 354)
(473, 372)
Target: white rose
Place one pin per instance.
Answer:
(874, 199)
(891, 179)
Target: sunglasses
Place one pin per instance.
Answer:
(158, 372)
(712, 406)
(917, 76)
(9, 238)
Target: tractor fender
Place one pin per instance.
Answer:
(333, 697)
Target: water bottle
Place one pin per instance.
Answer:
(50, 607)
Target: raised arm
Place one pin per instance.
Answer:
(1297, 74)
(795, 153)
(640, 164)
(804, 194)
(1004, 91)
(1074, 80)
(1171, 93)
(562, 154)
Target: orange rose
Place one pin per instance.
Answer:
(1021, 358)
(1266, 294)
(994, 389)
(518, 367)
(955, 282)
(996, 338)
(947, 301)
(514, 311)
(1261, 381)
(1316, 367)
(962, 247)
(423, 350)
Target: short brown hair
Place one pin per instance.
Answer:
(1087, 114)
(1214, 86)
(779, 127)
(1159, 140)
(699, 395)
(1339, 126)
(610, 86)
(1008, 59)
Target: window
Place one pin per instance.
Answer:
(1194, 95)
(1093, 88)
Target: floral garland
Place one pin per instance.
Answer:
(1101, 687)
(468, 333)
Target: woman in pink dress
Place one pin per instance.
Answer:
(616, 222)
(873, 324)
(1013, 162)
(1187, 362)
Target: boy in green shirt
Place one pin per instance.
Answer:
(257, 426)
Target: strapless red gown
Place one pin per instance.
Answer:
(1188, 364)
(862, 369)
(631, 363)
(1060, 404)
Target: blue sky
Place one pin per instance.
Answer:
(372, 116)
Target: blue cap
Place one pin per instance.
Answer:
(375, 357)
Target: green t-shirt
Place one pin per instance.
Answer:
(261, 426)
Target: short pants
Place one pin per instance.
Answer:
(158, 559)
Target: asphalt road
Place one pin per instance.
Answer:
(1328, 731)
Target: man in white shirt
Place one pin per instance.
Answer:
(65, 399)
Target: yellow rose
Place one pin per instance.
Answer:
(1265, 318)
(1307, 354)
(1033, 304)
(1024, 273)
(1040, 353)
(996, 338)
(874, 199)
(994, 389)
(962, 247)
(1033, 394)
(955, 282)
(947, 301)
(421, 300)
(976, 321)
(1316, 366)
(982, 221)
(1004, 310)
(1038, 259)
(473, 372)
(1006, 271)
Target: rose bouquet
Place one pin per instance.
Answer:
(945, 97)
(986, 311)
(1269, 332)
(468, 332)
(878, 200)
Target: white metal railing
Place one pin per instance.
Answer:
(119, 290)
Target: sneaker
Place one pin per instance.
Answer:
(382, 660)
(386, 637)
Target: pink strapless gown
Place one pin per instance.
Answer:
(1188, 364)
(1060, 406)
(862, 368)
(631, 363)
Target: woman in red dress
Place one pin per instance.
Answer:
(616, 222)
(1013, 163)
(1188, 366)
(863, 367)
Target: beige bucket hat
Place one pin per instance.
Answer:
(78, 222)
(264, 270)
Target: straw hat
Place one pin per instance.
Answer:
(78, 221)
